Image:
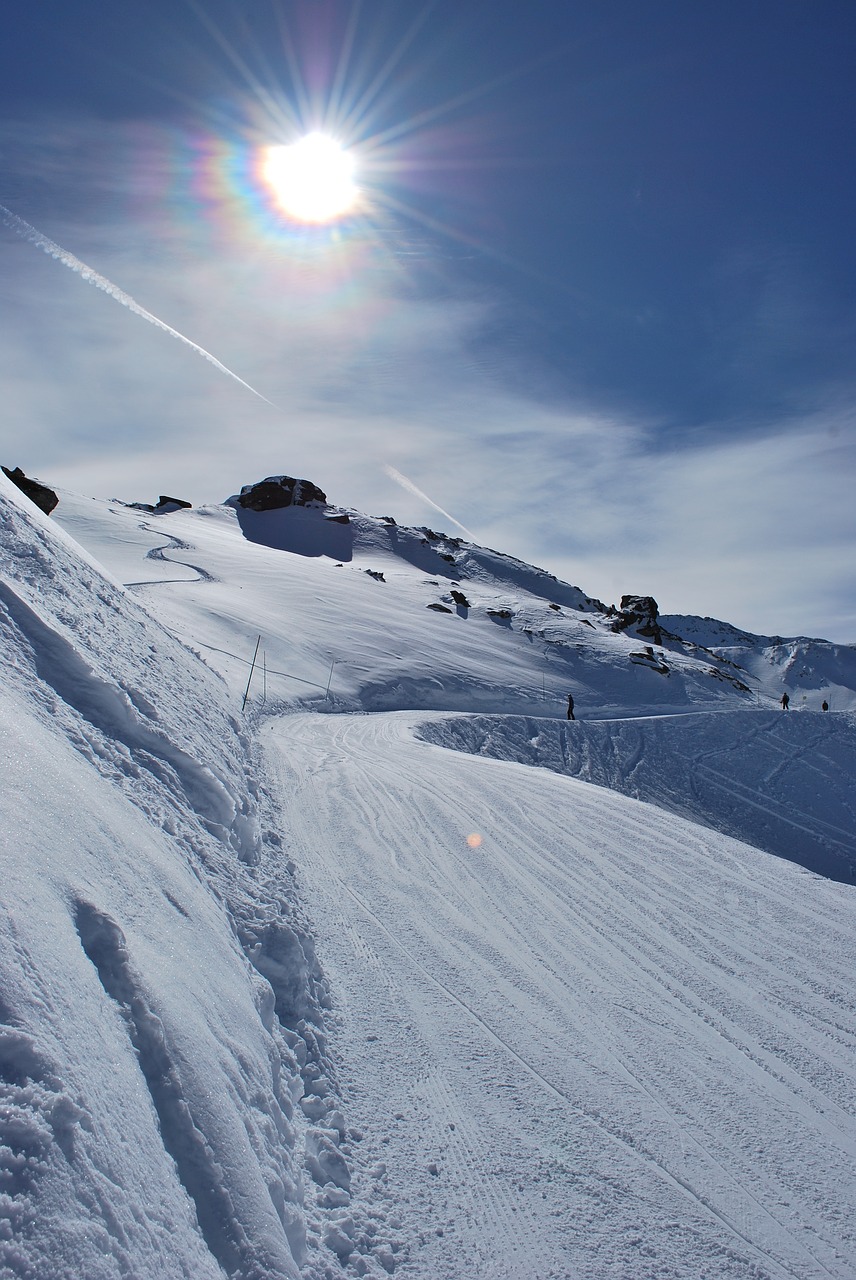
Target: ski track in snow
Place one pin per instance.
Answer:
(547, 989)
(159, 553)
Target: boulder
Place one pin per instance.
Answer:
(163, 506)
(37, 492)
(166, 504)
(640, 614)
(280, 491)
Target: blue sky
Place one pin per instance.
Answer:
(599, 303)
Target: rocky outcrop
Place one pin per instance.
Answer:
(280, 491)
(648, 659)
(37, 492)
(639, 614)
(163, 506)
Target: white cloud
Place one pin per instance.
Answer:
(369, 371)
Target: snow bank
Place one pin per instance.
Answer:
(160, 1006)
(782, 782)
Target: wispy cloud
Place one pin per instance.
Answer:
(35, 237)
(382, 368)
(410, 487)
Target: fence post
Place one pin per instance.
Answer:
(252, 669)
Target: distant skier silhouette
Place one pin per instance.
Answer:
(824, 706)
(570, 707)
(786, 702)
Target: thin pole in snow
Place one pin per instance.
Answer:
(264, 676)
(329, 678)
(252, 669)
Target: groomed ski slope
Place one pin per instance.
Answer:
(599, 1042)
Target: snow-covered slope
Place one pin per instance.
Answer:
(583, 1038)
(364, 597)
(296, 994)
(784, 783)
(148, 1123)
(811, 671)
(360, 632)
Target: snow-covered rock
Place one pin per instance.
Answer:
(279, 491)
(44, 497)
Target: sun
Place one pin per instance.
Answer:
(312, 180)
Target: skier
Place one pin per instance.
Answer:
(570, 707)
(824, 706)
(785, 702)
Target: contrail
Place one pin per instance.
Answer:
(411, 488)
(54, 250)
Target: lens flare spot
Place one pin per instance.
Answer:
(312, 180)
(474, 840)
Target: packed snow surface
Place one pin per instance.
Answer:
(331, 948)
(581, 1034)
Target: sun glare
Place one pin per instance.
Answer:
(313, 179)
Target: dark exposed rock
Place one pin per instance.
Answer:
(37, 492)
(281, 491)
(649, 660)
(376, 574)
(724, 675)
(341, 518)
(640, 614)
(439, 608)
(500, 613)
(640, 604)
(461, 599)
(163, 506)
